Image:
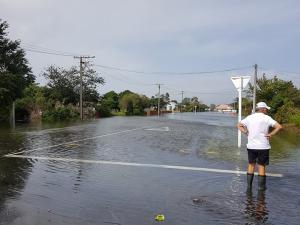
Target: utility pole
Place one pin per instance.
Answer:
(181, 100)
(158, 101)
(81, 62)
(254, 88)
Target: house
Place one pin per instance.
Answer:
(171, 106)
(224, 108)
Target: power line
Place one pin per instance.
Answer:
(172, 73)
(207, 92)
(58, 53)
(211, 91)
(39, 49)
(285, 73)
(127, 80)
(48, 53)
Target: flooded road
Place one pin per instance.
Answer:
(126, 170)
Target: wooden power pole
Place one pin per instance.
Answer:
(158, 101)
(81, 62)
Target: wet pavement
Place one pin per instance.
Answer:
(66, 175)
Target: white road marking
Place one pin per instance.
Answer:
(71, 142)
(137, 164)
(159, 129)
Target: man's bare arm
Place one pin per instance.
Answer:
(277, 127)
(242, 128)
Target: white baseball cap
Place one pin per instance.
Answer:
(262, 105)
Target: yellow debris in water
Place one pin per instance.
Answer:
(160, 217)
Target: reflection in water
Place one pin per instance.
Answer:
(13, 176)
(13, 172)
(256, 211)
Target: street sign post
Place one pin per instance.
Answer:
(240, 83)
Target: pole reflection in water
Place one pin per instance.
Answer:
(256, 211)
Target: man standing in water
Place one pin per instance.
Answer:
(256, 127)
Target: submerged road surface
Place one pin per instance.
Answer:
(126, 170)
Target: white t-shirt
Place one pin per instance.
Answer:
(258, 125)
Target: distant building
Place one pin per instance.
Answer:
(224, 108)
(171, 106)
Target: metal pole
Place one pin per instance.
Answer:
(240, 112)
(158, 104)
(239, 83)
(254, 88)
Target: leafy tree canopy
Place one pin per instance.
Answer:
(111, 100)
(281, 95)
(64, 84)
(15, 73)
(133, 104)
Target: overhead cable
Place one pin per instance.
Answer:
(172, 73)
(48, 53)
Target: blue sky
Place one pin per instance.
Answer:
(163, 35)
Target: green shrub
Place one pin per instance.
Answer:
(103, 109)
(120, 113)
(61, 113)
(284, 112)
(295, 119)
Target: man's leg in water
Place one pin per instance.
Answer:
(250, 175)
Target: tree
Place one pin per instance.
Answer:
(64, 85)
(121, 94)
(133, 104)
(192, 104)
(32, 103)
(167, 97)
(195, 100)
(103, 108)
(153, 101)
(109, 102)
(15, 73)
(212, 107)
(112, 100)
(282, 96)
(186, 101)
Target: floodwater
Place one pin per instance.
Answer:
(119, 171)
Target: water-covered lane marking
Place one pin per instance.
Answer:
(137, 164)
(84, 139)
(159, 129)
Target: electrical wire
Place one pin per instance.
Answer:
(38, 49)
(208, 92)
(114, 76)
(42, 50)
(48, 53)
(169, 90)
(284, 73)
(173, 73)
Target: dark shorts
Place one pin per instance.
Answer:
(260, 156)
